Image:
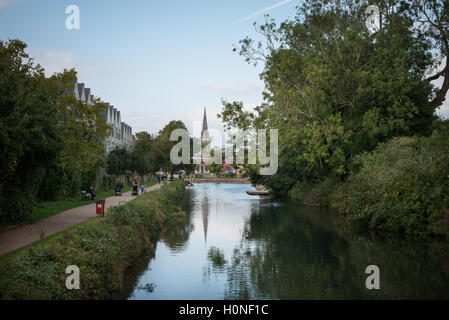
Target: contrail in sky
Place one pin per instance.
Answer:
(263, 10)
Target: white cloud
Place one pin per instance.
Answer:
(6, 3)
(56, 61)
(258, 12)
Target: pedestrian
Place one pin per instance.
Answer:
(92, 194)
(158, 179)
(142, 189)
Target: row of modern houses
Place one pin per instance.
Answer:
(122, 134)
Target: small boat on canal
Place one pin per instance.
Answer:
(260, 191)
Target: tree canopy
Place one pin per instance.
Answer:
(334, 88)
(51, 143)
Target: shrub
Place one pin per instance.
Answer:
(315, 195)
(402, 186)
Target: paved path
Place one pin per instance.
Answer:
(22, 236)
(218, 180)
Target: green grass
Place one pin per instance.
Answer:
(11, 256)
(47, 209)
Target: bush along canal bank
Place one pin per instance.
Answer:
(401, 187)
(102, 249)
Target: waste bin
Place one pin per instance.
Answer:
(100, 206)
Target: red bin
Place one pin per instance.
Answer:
(100, 206)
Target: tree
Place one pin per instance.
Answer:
(30, 133)
(334, 90)
(83, 133)
(118, 161)
(164, 146)
(216, 167)
(144, 156)
(432, 17)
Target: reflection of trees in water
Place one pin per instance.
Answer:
(176, 233)
(134, 271)
(217, 264)
(216, 257)
(291, 252)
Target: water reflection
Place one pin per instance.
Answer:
(235, 246)
(205, 215)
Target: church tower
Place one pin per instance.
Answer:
(205, 139)
(205, 147)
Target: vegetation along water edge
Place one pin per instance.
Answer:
(102, 249)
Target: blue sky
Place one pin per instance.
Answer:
(154, 60)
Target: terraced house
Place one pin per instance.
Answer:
(121, 135)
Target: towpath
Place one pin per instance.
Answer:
(21, 236)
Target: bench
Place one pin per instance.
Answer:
(85, 195)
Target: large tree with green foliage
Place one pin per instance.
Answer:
(144, 156)
(118, 161)
(51, 142)
(29, 130)
(82, 132)
(164, 146)
(335, 89)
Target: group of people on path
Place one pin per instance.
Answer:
(118, 188)
(164, 176)
(161, 177)
(136, 186)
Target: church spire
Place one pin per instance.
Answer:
(204, 122)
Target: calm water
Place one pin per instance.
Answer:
(236, 246)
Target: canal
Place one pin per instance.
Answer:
(236, 246)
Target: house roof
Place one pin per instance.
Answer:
(87, 94)
(80, 90)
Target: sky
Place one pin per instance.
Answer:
(155, 61)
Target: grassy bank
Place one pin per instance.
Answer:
(402, 186)
(102, 248)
